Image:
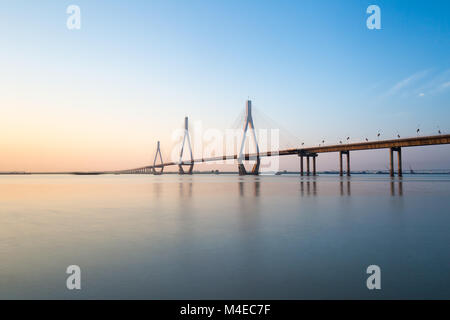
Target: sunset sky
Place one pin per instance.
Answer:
(100, 97)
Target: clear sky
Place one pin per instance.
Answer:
(100, 97)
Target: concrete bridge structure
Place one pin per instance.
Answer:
(305, 154)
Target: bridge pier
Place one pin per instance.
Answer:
(314, 166)
(302, 155)
(243, 171)
(341, 172)
(348, 163)
(307, 165)
(189, 171)
(301, 165)
(399, 161)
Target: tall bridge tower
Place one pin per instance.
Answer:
(158, 151)
(188, 138)
(248, 123)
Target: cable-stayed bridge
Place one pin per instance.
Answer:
(305, 154)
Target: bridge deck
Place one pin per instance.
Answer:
(381, 144)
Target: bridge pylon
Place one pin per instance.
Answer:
(186, 137)
(248, 123)
(158, 151)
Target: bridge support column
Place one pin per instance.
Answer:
(307, 165)
(314, 166)
(303, 154)
(341, 171)
(399, 161)
(348, 163)
(301, 165)
(391, 162)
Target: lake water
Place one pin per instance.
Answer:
(230, 237)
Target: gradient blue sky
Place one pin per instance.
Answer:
(100, 97)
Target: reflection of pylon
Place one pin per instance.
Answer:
(158, 151)
(248, 122)
(186, 137)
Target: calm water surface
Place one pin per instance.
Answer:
(205, 236)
